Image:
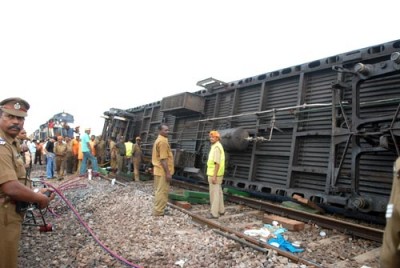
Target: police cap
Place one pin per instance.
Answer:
(15, 106)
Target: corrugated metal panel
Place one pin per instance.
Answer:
(209, 106)
(313, 151)
(186, 132)
(279, 145)
(145, 124)
(375, 173)
(240, 164)
(209, 110)
(312, 162)
(153, 134)
(148, 111)
(157, 115)
(309, 181)
(371, 91)
(225, 104)
(272, 158)
(344, 179)
(248, 101)
(282, 94)
(272, 169)
(318, 90)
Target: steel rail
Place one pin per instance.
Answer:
(215, 225)
(357, 230)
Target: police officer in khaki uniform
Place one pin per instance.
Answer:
(390, 254)
(12, 116)
(163, 162)
(137, 157)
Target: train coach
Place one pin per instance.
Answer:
(326, 130)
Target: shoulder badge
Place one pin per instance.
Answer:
(2, 141)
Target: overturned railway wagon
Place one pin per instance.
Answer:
(327, 130)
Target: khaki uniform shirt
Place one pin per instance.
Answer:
(60, 150)
(69, 147)
(162, 150)
(11, 162)
(101, 147)
(137, 151)
(390, 252)
(112, 144)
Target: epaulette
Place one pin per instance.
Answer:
(2, 141)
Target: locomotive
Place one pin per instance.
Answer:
(327, 130)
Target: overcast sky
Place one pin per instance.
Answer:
(85, 57)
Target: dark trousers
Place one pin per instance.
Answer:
(38, 157)
(70, 163)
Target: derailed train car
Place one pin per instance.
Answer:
(327, 130)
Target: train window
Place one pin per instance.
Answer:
(396, 44)
(317, 199)
(241, 185)
(230, 183)
(287, 71)
(281, 192)
(302, 195)
(376, 49)
(262, 77)
(314, 64)
(331, 60)
(266, 190)
(253, 187)
(274, 74)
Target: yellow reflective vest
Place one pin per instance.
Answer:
(128, 149)
(211, 162)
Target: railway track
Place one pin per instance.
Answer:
(356, 230)
(247, 213)
(345, 244)
(103, 206)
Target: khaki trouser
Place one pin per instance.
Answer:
(390, 253)
(79, 167)
(216, 197)
(120, 162)
(161, 195)
(156, 180)
(69, 163)
(74, 164)
(136, 165)
(60, 165)
(10, 232)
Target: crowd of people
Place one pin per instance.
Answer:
(64, 155)
(76, 154)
